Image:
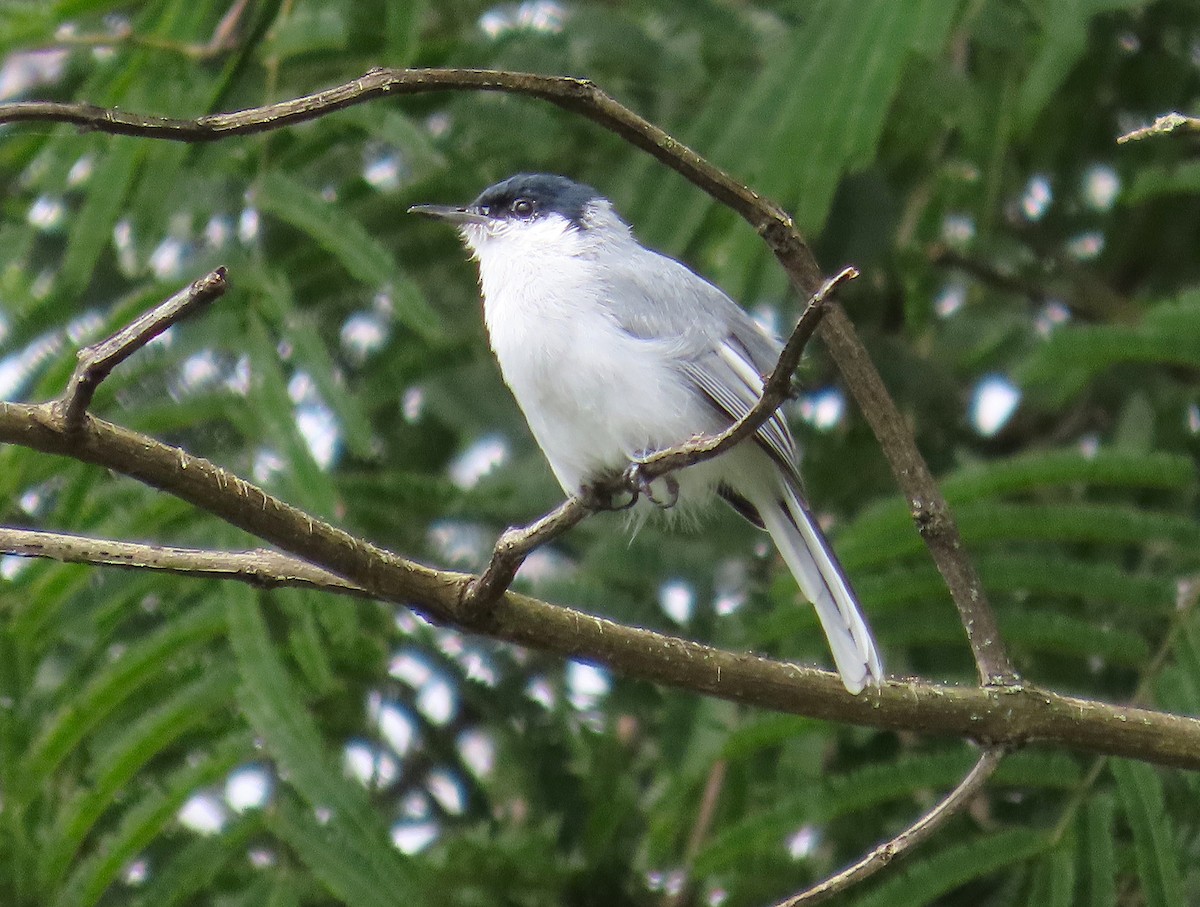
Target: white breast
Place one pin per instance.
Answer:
(593, 395)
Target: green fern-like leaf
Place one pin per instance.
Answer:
(1142, 802)
(347, 240)
(980, 522)
(191, 871)
(138, 667)
(147, 818)
(277, 712)
(118, 763)
(1097, 851)
(332, 855)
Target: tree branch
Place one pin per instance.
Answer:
(926, 502)
(1081, 291)
(258, 567)
(713, 785)
(516, 544)
(97, 361)
(223, 39)
(1004, 714)
(885, 854)
(1010, 715)
(576, 95)
(271, 569)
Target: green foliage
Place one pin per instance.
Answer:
(347, 844)
(959, 865)
(960, 154)
(1098, 876)
(1141, 794)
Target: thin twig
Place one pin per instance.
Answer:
(515, 544)
(776, 390)
(1081, 292)
(580, 96)
(714, 784)
(1167, 124)
(885, 854)
(225, 34)
(942, 255)
(260, 567)
(223, 39)
(97, 361)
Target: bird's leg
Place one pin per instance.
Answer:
(637, 480)
(672, 498)
(602, 494)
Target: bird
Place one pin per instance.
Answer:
(613, 351)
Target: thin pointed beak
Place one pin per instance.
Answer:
(450, 214)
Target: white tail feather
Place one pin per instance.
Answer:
(807, 555)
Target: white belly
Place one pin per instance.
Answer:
(594, 396)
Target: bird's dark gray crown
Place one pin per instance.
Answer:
(528, 195)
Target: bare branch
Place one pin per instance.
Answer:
(97, 361)
(945, 256)
(885, 854)
(1009, 715)
(258, 567)
(1081, 291)
(714, 784)
(576, 95)
(223, 39)
(516, 544)
(925, 500)
(1006, 713)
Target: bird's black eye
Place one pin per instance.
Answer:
(523, 207)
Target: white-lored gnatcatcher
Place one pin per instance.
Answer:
(613, 351)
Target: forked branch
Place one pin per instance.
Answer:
(97, 361)
(324, 554)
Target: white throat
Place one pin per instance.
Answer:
(544, 268)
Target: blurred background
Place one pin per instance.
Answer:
(1029, 293)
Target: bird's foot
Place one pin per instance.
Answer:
(608, 494)
(636, 479)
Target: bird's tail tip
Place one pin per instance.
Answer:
(812, 562)
(862, 673)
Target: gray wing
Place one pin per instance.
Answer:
(722, 350)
